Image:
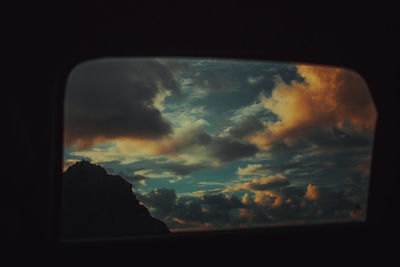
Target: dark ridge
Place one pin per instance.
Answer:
(96, 204)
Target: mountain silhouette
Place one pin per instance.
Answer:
(96, 204)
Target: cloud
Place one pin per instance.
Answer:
(188, 149)
(191, 212)
(184, 115)
(307, 166)
(293, 204)
(135, 178)
(251, 169)
(195, 148)
(114, 98)
(185, 139)
(327, 203)
(225, 149)
(155, 173)
(160, 201)
(329, 97)
(182, 168)
(253, 110)
(260, 184)
(234, 75)
(280, 204)
(248, 126)
(313, 192)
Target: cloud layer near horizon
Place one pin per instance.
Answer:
(266, 206)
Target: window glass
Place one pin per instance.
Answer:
(160, 145)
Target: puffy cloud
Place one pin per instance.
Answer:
(277, 205)
(109, 99)
(292, 204)
(191, 212)
(268, 198)
(328, 97)
(324, 203)
(313, 192)
(160, 201)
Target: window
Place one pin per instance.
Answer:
(160, 145)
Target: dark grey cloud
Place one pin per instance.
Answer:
(329, 204)
(294, 207)
(288, 204)
(189, 209)
(162, 201)
(214, 209)
(222, 149)
(228, 75)
(248, 126)
(220, 201)
(226, 149)
(325, 141)
(337, 139)
(112, 98)
(218, 208)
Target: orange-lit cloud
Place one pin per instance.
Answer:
(260, 184)
(67, 163)
(357, 214)
(185, 144)
(329, 97)
(189, 145)
(178, 220)
(268, 198)
(313, 192)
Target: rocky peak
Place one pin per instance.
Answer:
(96, 204)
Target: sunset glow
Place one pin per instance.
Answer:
(213, 144)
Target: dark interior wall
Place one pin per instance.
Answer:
(45, 45)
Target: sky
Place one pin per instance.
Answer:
(214, 144)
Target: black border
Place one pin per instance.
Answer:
(51, 45)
